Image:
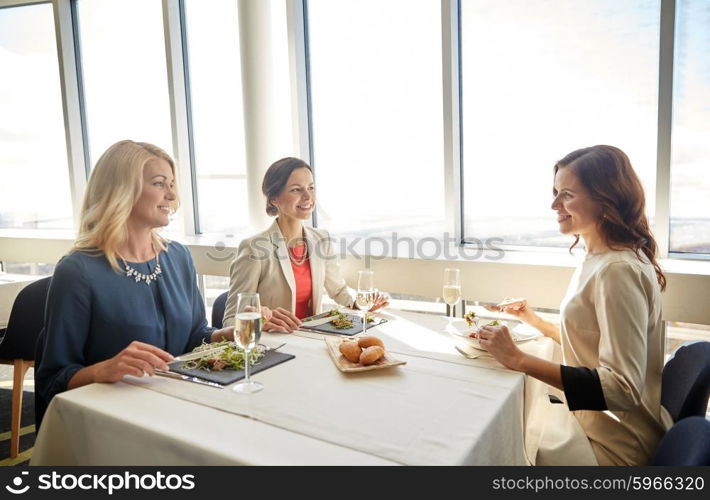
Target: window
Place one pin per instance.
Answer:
(376, 87)
(217, 110)
(541, 78)
(217, 114)
(124, 73)
(34, 175)
(690, 160)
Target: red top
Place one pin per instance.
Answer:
(304, 283)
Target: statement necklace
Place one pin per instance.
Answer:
(147, 278)
(298, 262)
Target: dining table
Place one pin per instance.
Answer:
(439, 408)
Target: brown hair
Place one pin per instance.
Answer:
(607, 174)
(276, 177)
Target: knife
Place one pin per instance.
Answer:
(187, 378)
(318, 319)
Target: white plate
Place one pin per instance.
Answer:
(520, 332)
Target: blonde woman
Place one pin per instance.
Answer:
(289, 264)
(124, 300)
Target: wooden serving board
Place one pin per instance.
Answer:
(333, 345)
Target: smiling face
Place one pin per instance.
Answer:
(577, 212)
(298, 197)
(153, 207)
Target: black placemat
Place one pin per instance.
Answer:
(226, 377)
(354, 330)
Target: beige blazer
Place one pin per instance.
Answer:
(262, 265)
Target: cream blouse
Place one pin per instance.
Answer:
(611, 322)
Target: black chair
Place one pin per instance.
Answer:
(218, 310)
(685, 384)
(18, 346)
(686, 443)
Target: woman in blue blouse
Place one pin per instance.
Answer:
(124, 300)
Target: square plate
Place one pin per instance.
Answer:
(520, 332)
(328, 327)
(346, 366)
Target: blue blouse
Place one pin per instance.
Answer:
(93, 313)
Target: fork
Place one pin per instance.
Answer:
(269, 349)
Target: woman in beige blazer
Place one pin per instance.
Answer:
(275, 263)
(611, 330)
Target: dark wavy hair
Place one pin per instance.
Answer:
(276, 177)
(607, 174)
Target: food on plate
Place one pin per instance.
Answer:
(369, 341)
(371, 354)
(351, 350)
(231, 358)
(470, 318)
(365, 350)
(474, 335)
(342, 321)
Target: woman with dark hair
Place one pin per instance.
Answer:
(289, 264)
(611, 329)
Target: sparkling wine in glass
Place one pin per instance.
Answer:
(247, 333)
(452, 288)
(365, 297)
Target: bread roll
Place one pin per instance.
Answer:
(369, 341)
(371, 354)
(351, 350)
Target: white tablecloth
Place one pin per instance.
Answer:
(440, 409)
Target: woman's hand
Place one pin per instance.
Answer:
(498, 342)
(226, 333)
(516, 307)
(282, 320)
(381, 300)
(137, 359)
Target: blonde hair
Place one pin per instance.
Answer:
(114, 186)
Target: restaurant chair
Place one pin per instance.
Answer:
(685, 382)
(18, 346)
(686, 443)
(218, 310)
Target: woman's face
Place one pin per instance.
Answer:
(153, 207)
(298, 197)
(577, 212)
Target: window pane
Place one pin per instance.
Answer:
(124, 72)
(542, 78)
(690, 196)
(217, 114)
(34, 175)
(217, 109)
(376, 90)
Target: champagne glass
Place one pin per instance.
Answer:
(365, 297)
(452, 289)
(247, 333)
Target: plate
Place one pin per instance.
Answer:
(520, 332)
(346, 366)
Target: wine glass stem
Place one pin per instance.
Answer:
(364, 322)
(246, 366)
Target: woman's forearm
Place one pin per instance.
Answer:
(85, 376)
(547, 328)
(543, 370)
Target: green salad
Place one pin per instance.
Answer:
(231, 358)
